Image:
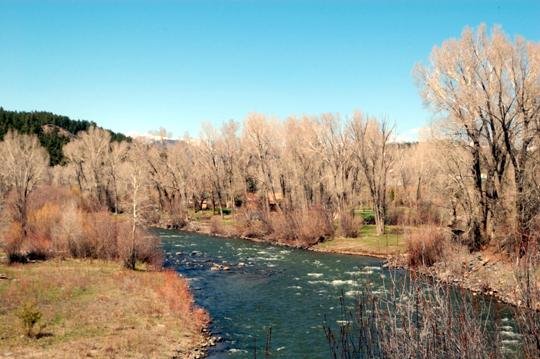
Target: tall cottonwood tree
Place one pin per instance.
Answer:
(371, 138)
(117, 155)
(488, 88)
(211, 160)
(263, 143)
(24, 164)
(302, 163)
(336, 153)
(135, 178)
(232, 157)
(88, 153)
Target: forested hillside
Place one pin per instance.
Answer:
(53, 131)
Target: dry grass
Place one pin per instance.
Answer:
(418, 319)
(97, 309)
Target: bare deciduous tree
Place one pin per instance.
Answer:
(488, 88)
(24, 164)
(88, 153)
(370, 138)
(136, 180)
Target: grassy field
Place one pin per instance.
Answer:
(97, 309)
(367, 243)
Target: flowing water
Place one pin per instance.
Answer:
(266, 286)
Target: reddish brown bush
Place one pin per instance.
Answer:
(350, 225)
(42, 222)
(99, 239)
(283, 226)
(177, 220)
(400, 216)
(138, 246)
(315, 226)
(57, 229)
(426, 245)
(37, 242)
(301, 228)
(53, 195)
(251, 223)
(12, 241)
(216, 226)
(69, 231)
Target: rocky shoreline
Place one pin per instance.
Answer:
(201, 349)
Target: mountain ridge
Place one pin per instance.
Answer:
(53, 130)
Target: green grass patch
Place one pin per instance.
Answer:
(368, 242)
(367, 214)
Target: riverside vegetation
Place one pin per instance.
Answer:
(462, 204)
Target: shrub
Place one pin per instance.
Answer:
(53, 195)
(99, 237)
(368, 216)
(527, 275)
(226, 211)
(69, 231)
(283, 226)
(178, 220)
(30, 315)
(42, 222)
(315, 226)
(425, 245)
(350, 225)
(251, 223)
(140, 246)
(38, 247)
(427, 213)
(421, 320)
(12, 242)
(302, 227)
(398, 216)
(61, 225)
(216, 226)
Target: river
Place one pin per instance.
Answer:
(266, 286)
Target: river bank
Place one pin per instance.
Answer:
(204, 227)
(94, 308)
(249, 287)
(237, 281)
(484, 272)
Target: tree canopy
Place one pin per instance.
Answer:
(53, 131)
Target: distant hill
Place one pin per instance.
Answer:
(53, 131)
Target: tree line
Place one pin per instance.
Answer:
(475, 170)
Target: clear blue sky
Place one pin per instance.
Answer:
(136, 66)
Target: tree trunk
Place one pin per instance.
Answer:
(522, 215)
(380, 215)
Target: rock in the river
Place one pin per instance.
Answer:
(219, 267)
